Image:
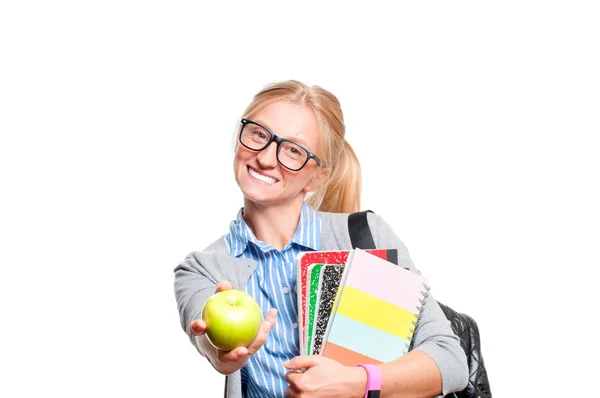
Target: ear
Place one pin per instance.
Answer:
(319, 177)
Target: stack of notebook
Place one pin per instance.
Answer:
(357, 306)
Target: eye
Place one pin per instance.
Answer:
(293, 151)
(260, 135)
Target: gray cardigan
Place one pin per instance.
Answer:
(197, 276)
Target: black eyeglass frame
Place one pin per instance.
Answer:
(279, 141)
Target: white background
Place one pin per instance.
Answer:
(476, 125)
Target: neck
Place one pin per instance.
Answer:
(275, 225)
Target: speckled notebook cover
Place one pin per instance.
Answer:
(327, 287)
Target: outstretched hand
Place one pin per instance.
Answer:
(228, 362)
(315, 376)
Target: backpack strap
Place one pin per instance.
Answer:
(360, 233)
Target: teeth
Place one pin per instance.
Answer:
(268, 180)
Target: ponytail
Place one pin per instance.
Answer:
(341, 191)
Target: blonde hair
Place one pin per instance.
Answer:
(340, 191)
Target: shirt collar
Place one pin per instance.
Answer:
(307, 234)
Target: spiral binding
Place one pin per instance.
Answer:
(424, 294)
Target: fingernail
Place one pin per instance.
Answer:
(286, 363)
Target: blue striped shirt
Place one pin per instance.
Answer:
(273, 285)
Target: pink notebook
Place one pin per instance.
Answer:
(375, 312)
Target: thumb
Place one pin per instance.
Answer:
(224, 285)
(302, 362)
(198, 327)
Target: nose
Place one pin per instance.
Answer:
(268, 156)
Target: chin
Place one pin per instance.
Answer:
(255, 193)
(261, 196)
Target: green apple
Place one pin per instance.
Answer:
(232, 319)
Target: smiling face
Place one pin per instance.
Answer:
(259, 175)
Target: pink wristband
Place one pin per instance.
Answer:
(373, 381)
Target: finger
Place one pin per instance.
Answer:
(302, 362)
(261, 337)
(263, 332)
(292, 377)
(234, 355)
(198, 327)
(271, 316)
(224, 285)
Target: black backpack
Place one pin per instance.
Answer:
(463, 325)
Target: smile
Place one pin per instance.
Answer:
(260, 177)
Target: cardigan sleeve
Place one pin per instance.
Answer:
(193, 287)
(433, 335)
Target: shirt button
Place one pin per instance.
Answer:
(295, 325)
(285, 290)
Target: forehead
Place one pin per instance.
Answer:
(290, 120)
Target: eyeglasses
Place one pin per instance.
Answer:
(290, 155)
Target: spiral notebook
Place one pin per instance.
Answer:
(375, 312)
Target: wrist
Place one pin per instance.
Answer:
(373, 385)
(215, 358)
(358, 381)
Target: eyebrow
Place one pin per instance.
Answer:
(265, 125)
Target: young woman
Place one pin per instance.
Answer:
(300, 178)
